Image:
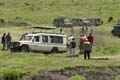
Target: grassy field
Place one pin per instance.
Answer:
(42, 12)
(105, 46)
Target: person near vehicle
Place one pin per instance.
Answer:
(82, 39)
(73, 47)
(8, 40)
(82, 31)
(90, 38)
(61, 31)
(3, 41)
(69, 41)
(87, 49)
(72, 30)
(23, 36)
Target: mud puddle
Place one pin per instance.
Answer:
(90, 73)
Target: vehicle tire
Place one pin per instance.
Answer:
(54, 50)
(24, 48)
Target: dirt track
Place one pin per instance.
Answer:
(90, 73)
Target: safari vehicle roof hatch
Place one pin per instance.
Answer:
(43, 28)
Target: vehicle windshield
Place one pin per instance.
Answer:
(27, 38)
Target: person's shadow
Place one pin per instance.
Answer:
(96, 58)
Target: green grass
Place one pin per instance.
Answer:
(19, 63)
(77, 78)
(42, 12)
(117, 78)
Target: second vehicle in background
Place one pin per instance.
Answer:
(116, 30)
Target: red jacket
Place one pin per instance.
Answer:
(90, 38)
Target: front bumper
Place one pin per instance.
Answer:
(15, 46)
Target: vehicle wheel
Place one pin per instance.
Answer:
(24, 49)
(54, 50)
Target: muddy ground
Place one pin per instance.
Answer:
(90, 73)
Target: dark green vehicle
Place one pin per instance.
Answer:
(116, 30)
(62, 22)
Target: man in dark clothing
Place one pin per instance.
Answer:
(73, 46)
(87, 49)
(23, 36)
(8, 40)
(3, 41)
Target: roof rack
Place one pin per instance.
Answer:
(43, 28)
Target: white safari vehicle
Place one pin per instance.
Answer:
(44, 42)
(41, 42)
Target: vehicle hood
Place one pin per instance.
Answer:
(24, 42)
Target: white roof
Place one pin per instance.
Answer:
(54, 34)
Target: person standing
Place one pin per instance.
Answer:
(8, 40)
(82, 40)
(90, 38)
(61, 32)
(23, 36)
(87, 49)
(73, 47)
(72, 30)
(69, 40)
(3, 41)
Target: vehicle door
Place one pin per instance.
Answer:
(45, 46)
(35, 43)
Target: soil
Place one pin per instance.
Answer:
(90, 73)
(18, 23)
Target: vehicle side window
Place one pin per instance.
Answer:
(56, 39)
(27, 38)
(44, 38)
(36, 39)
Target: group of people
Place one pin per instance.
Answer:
(6, 40)
(85, 45)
